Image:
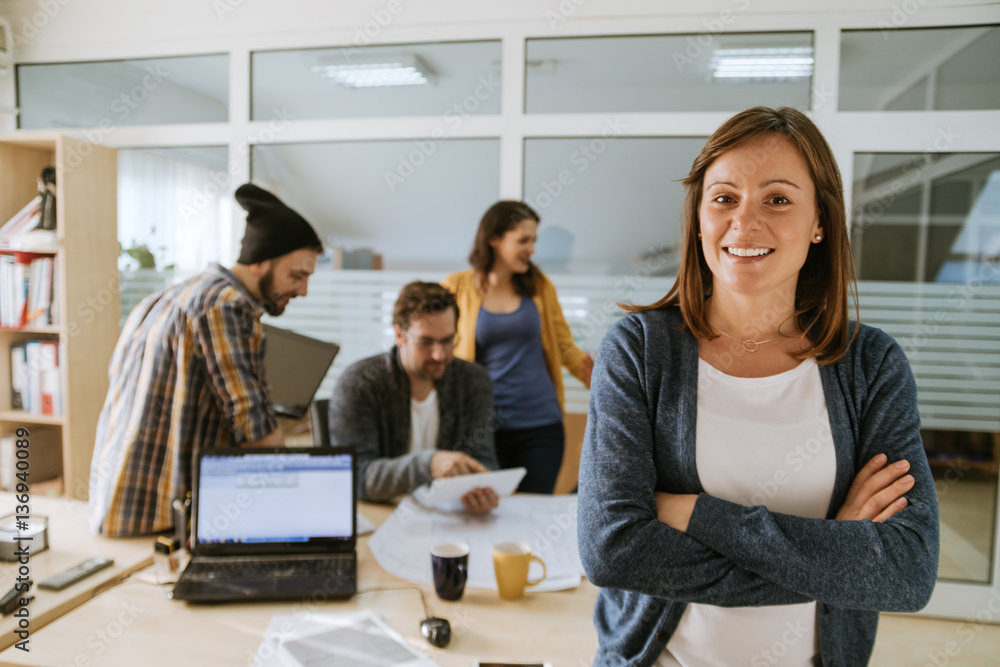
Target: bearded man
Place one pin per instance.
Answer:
(188, 372)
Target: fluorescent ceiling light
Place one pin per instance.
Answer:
(407, 70)
(773, 64)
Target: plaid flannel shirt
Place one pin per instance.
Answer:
(187, 373)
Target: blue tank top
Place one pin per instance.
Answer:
(509, 345)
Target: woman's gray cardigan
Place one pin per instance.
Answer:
(641, 438)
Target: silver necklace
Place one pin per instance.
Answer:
(749, 344)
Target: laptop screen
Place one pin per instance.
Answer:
(261, 500)
(294, 366)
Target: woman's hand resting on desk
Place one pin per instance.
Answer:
(450, 464)
(876, 494)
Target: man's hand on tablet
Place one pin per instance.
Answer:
(451, 464)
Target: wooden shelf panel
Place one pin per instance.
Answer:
(51, 329)
(86, 209)
(21, 417)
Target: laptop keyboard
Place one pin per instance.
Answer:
(256, 569)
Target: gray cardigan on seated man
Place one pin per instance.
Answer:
(370, 411)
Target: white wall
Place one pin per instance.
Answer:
(69, 29)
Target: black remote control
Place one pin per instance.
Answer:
(10, 601)
(76, 573)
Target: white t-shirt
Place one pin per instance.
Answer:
(425, 421)
(759, 441)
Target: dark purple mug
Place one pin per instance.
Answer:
(450, 563)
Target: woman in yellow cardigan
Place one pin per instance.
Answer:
(512, 324)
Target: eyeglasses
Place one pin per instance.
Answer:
(446, 344)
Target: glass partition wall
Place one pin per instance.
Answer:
(398, 148)
(926, 237)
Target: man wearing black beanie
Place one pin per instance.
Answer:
(187, 371)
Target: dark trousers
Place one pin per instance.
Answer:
(539, 450)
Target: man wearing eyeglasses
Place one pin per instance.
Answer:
(416, 413)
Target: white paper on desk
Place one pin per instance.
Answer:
(333, 640)
(445, 490)
(365, 524)
(402, 544)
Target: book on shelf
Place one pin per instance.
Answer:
(50, 394)
(40, 281)
(18, 376)
(35, 385)
(26, 288)
(22, 222)
(33, 228)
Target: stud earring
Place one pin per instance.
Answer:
(819, 237)
(699, 234)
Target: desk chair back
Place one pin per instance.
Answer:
(318, 421)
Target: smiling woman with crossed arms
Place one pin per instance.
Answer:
(753, 486)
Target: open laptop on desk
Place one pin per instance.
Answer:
(294, 366)
(272, 523)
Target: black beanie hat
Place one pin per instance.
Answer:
(273, 229)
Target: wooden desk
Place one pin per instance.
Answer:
(135, 623)
(69, 543)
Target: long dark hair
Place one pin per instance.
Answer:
(826, 280)
(499, 219)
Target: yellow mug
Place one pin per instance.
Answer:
(511, 561)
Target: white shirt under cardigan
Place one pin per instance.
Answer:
(425, 422)
(759, 441)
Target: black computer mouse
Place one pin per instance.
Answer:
(436, 630)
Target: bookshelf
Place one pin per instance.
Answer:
(86, 293)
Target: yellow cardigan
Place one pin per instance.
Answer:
(557, 340)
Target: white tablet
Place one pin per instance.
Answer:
(450, 489)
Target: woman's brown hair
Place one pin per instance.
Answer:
(826, 280)
(499, 219)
